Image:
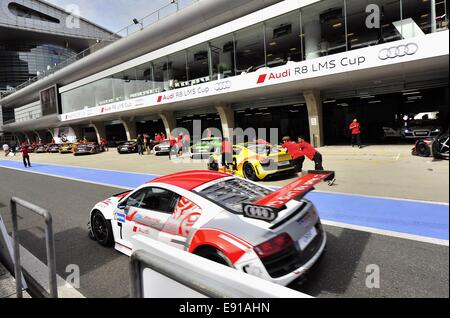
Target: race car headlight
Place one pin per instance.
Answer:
(264, 162)
(274, 245)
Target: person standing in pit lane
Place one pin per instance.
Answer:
(140, 144)
(355, 128)
(172, 147)
(25, 156)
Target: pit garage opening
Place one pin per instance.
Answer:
(150, 126)
(402, 116)
(208, 121)
(290, 120)
(115, 133)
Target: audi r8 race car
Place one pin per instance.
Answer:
(53, 148)
(163, 148)
(276, 235)
(41, 148)
(128, 147)
(206, 147)
(255, 161)
(86, 149)
(437, 147)
(66, 148)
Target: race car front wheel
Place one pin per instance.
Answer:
(102, 230)
(214, 255)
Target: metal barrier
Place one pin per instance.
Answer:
(49, 242)
(158, 270)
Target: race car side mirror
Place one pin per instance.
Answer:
(122, 205)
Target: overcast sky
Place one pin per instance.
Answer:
(113, 14)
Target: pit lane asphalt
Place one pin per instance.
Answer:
(407, 268)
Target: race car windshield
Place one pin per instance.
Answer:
(232, 193)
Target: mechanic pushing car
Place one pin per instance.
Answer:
(314, 155)
(227, 154)
(298, 157)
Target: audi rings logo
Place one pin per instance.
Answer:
(259, 212)
(398, 51)
(222, 86)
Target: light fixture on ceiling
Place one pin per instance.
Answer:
(354, 40)
(273, 43)
(329, 101)
(351, 34)
(293, 49)
(337, 25)
(411, 93)
(367, 97)
(375, 102)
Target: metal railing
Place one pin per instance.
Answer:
(49, 243)
(137, 26)
(160, 270)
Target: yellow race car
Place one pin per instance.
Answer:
(66, 148)
(255, 161)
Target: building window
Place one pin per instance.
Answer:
(223, 57)
(250, 49)
(25, 12)
(324, 29)
(283, 39)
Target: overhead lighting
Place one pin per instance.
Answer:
(337, 25)
(411, 93)
(298, 105)
(351, 34)
(424, 15)
(375, 101)
(386, 25)
(329, 101)
(265, 108)
(354, 40)
(344, 104)
(273, 43)
(410, 101)
(294, 111)
(240, 111)
(367, 97)
(293, 49)
(414, 97)
(269, 55)
(247, 51)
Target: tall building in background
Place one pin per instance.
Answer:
(35, 36)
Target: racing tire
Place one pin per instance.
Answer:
(102, 229)
(249, 172)
(422, 149)
(438, 145)
(214, 255)
(213, 165)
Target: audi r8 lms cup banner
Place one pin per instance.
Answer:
(352, 61)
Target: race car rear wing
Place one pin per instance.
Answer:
(267, 208)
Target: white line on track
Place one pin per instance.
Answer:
(326, 222)
(387, 233)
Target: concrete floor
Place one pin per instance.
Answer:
(387, 171)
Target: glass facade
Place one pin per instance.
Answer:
(20, 61)
(323, 28)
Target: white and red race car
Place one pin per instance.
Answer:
(275, 235)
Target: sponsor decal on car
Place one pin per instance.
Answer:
(119, 217)
(258, 212)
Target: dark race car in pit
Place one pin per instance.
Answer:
(128, 147)
(275, 235)
(86, 149)
(437, 147)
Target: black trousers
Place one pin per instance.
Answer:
(318, 161)
(298, 164)
(26, 161)
(356, 140)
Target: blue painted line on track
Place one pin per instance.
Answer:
(410, 217)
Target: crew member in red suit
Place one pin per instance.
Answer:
(297, 155)
(25, 156)
(355, 128)
(311, 153)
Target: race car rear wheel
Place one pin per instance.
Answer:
(249, 172)
(214, 255)
(102, 230)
